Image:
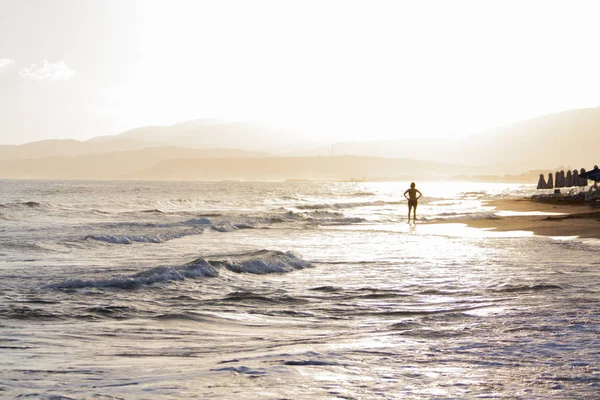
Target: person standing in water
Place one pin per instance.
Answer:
(412, 200)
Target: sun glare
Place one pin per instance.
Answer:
(352, 70)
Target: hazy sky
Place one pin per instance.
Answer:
(332, 70)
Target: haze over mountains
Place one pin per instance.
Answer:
(547, 142)
(205, 149)
(197, 134)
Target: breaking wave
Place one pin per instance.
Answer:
(25, 204)
(361, 194)
(258, 262)
(226, 226)
(150, 232)
(321, 216)
(155, 238)
(198, 221)
(461, 216)
(263, 262)
(342, 205)
(508, 288)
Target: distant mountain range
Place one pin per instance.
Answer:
(197, 134)
(205, 149)
(148, 165)
(206, 134)
(112, 165)
(570, 139)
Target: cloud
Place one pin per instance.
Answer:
(6, 62)
(45, 70)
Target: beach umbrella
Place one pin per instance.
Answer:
(541, 182)
(569, 180)
(560, 179)
(575, 178)
(582, 180)
(594, 174)
(590, 172)
(550, 183)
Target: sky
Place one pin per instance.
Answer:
(327, 70)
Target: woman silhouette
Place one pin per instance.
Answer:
(412, 200)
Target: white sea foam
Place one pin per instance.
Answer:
(150, 238)
(224, 226)
(446, 216)
(258, 263)
(342, 205)
(263, 262)
(438, 299)
(322, 216)
(197, 269)
(198, 221)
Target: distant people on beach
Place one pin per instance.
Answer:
(412, 200)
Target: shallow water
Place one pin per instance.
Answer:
(287, 290)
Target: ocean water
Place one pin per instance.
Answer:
(297, 290)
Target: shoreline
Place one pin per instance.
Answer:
(578, 220)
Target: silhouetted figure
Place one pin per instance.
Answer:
(412, 200)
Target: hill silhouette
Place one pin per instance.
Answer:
(205, 133)
(197, 134)
(151, 164)
(114, 165)
(567, 139)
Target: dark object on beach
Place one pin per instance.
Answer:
(542, 182)
(550, 183)
(582, 179)
(595, 177)
(592, 175)
(569, 180)
(574, 199)
(560, 179)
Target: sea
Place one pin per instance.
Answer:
(288, 290)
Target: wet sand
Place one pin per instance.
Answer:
(571, 220)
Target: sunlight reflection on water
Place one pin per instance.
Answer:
(446, 229)
(385, 309)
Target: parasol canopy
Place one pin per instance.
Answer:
(593, 174)
(582, 179)
(541, 182)
(558, 180)
(575, 177)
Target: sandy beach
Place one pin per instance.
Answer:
(570, 220)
